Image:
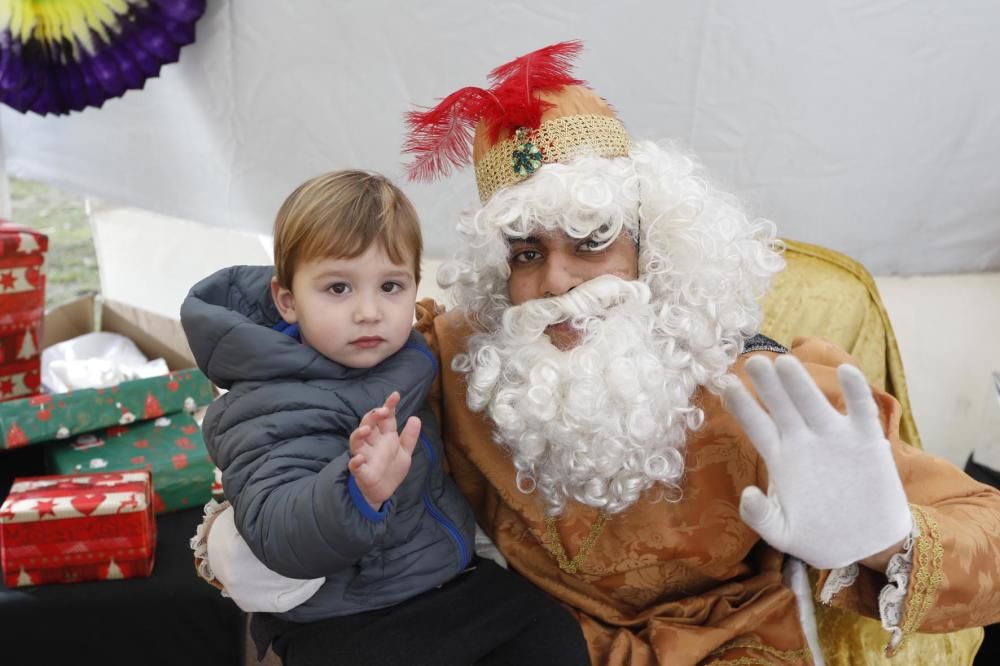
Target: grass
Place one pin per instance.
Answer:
(71, 263)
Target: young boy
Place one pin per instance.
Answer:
(321, 365)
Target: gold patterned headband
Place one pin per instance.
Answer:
(557, 140)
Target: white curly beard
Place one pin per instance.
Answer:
(600, 423)
(607, 420)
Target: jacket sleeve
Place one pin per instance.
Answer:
(295, 502)
(955, 580)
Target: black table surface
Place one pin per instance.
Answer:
(171, 617)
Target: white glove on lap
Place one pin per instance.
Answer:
(253, 586)
(834, 496)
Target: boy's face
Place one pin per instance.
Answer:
(357, 312)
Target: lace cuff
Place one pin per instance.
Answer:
(199, 542)
(892, 598)
(838, 580)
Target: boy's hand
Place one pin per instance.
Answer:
(380, 458)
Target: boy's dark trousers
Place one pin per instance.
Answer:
(487, 616)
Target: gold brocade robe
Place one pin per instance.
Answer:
(687, 582)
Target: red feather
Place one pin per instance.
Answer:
(441, 138)
(544, 68)
(516, 83)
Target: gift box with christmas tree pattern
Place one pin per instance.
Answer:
(64, 529)
(170, 447)
(22, 305)
(43, 418)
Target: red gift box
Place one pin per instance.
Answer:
(22, 305)
(75, 527)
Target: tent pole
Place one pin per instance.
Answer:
(5, 209)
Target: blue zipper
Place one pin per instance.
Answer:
(448, 526)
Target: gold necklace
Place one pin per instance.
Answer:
(555, 547)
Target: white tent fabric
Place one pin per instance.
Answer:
(869, 126)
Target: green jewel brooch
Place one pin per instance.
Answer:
(526, 157)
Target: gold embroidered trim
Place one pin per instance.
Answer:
(555, 547)
(559, 140)
(740, 661)
(747, 644)
(927, 570)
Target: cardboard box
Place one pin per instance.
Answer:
(65, 529)
(46, 417)
(155, 335)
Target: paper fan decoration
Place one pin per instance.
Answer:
(58, 56)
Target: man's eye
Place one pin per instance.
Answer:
(391, 287)
(591, 245)
(525, 256)
(339, 288)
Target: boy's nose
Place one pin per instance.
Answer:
(367, 312)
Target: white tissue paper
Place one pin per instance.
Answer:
(95, 360)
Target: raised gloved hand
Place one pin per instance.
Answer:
(834, 496)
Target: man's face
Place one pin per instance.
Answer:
(553, 263)
(357, 312)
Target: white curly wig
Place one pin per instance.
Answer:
(602, 423)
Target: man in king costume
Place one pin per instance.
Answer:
(628, 439)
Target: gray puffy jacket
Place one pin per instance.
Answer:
(280, 438)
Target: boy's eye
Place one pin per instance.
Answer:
(391, 287)
(339, 288)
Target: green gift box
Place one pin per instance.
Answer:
(43, 418)
(171, 448)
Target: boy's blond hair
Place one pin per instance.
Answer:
(340, 214)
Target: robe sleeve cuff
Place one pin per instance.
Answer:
(913, 577)
(919, 586)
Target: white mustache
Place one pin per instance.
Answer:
(593, 298)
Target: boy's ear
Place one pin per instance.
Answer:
(284, 300)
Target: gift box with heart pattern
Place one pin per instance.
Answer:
(76, 527)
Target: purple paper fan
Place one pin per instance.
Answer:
(57, 76)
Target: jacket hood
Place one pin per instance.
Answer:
(229, 317)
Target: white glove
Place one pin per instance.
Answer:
(834, 496)
(253, 586)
